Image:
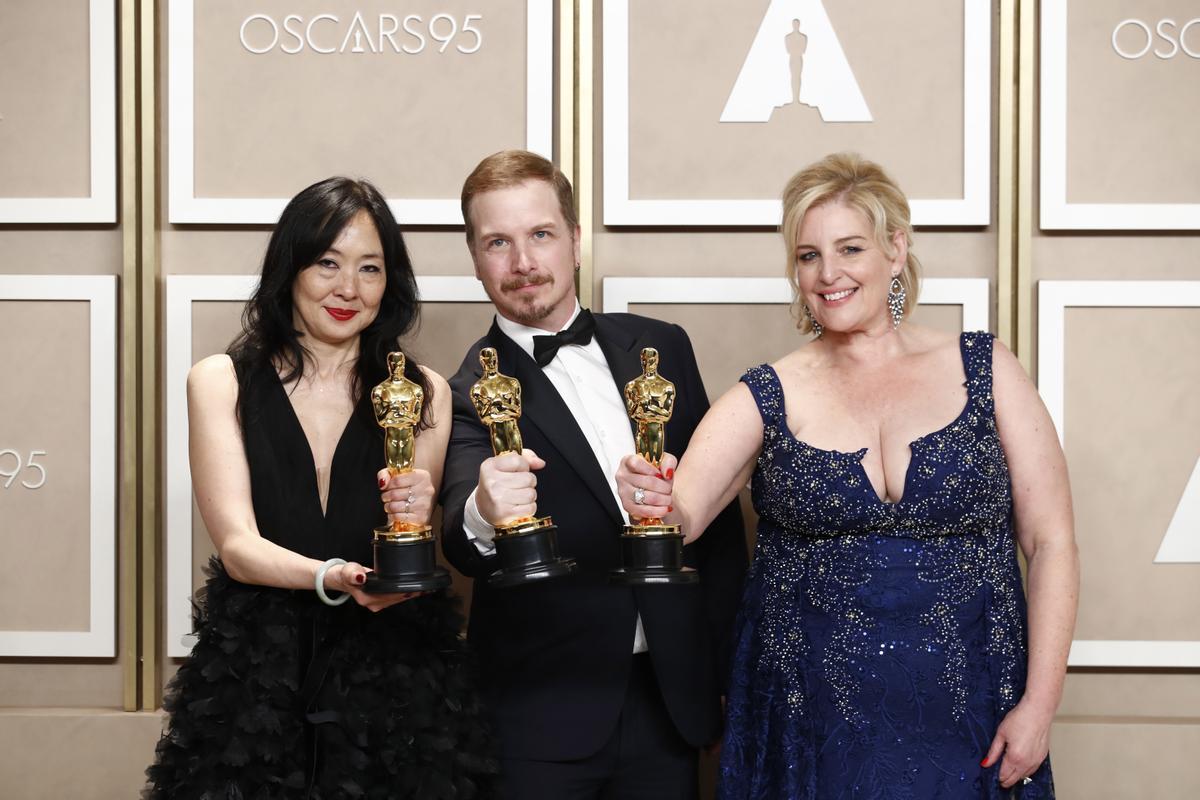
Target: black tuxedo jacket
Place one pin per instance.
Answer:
(556, 654)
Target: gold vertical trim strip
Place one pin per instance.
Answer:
(585, 30)
(1006, 204)
(566, 87)
(1026, 76)
(148, 341)
(128, 514)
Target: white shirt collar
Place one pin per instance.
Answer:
(523, 334)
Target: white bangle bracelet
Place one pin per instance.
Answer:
(319, 582)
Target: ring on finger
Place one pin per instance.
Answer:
(408, 503)
(1026, 779)
(639, 496)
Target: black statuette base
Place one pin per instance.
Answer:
(405, 566)
(652, 559)
(529, 553)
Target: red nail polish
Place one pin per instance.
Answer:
(670, 474)
(670, 509)
(983, 763)
(382, 483)
(360, 579)
(658, 475)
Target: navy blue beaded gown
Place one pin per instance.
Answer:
(879, 645)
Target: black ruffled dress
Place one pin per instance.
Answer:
(285, 697)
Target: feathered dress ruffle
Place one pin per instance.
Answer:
(283, 697)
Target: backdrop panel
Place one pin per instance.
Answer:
(58, 118)
(58, 464)
(1120, 132)
(265, 100)
(703, 101)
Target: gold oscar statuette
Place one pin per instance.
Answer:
(527, 547)
(405, 560)
(497, 400)
(650, 399)
(397, 404)
(651, 550)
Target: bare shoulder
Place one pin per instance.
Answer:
(212, 375)
(1008, 376)
(799, 360)
(735, 398)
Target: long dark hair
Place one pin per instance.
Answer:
(308, 227)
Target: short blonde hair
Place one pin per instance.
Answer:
(510, 168)
(851, 179)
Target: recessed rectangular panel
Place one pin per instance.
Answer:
(709, 107)
(1115, 371)
(1119, 95)
(44, 463)
(58, 111)
(58, 464)
(267, 99)
(1132, 440)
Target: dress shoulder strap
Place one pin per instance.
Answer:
(976, 348)
(767, 391)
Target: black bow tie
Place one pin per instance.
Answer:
(580, 332)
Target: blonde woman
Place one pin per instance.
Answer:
(884, 647)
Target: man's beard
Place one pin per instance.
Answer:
(526, 311)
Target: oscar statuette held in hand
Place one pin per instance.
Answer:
(405, 560)
(651, 551)
(527, 547)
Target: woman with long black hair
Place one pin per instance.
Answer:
(291, 691)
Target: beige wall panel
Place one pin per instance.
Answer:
(79, 251)
(1115, 760)
(45, 127)
(1117, 257)
(1132, 439)
(686, 56)
(944, 254)
(77, 754)
(216, 251)
(365, 113)
(447, 330)
(44, 400)
(1126, 693)
(56, 522)
(1143, 109)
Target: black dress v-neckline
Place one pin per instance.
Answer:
(298, 430)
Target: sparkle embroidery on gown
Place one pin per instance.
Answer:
(879, 644)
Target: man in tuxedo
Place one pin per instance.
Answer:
(597, 690)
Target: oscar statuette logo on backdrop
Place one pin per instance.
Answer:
(796, 58)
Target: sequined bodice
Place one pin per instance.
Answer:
(956, 484)
(879, 643)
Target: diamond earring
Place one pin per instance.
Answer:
(895, 301)
(817, 328)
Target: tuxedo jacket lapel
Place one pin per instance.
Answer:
(543, 408)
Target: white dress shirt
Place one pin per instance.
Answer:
(581, 375)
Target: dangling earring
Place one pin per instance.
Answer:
(817, 328)
(895, 302)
